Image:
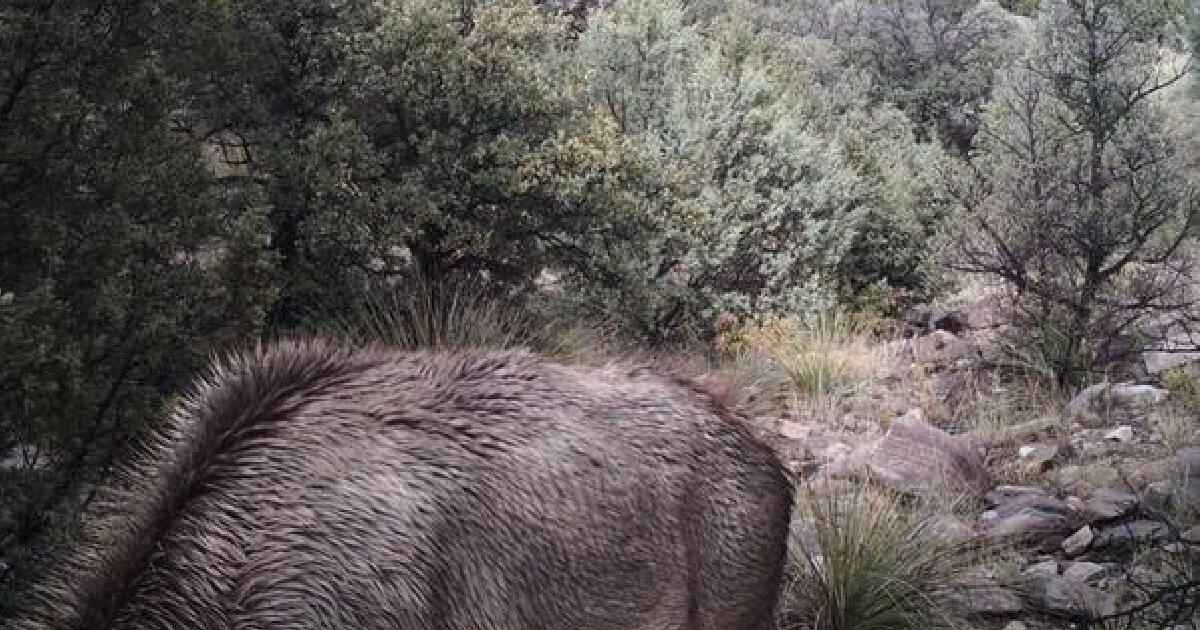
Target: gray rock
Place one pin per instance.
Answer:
(1014, 625)
(989, 311)
(1122, 434)
(1087, 403)
(1098, 400)
(918, 458)
(794, 430)
(1030, 516)
(1107, 504)
(1175, 345)
(1078, 542)
(1038, 453)
(1129, 534)
(981, 595)
(1156, 496)
(1191, 535)
(1084, 571)
(1134, 395)
(1060, 596)
(1158, 361)
(952, 529)
(1004, 494)
(934, 348)
(1041, 569)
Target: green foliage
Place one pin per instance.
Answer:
(756, 207)
(934, 60)
(122, 264)
(1184, 384)
(891, 257)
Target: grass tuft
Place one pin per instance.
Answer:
(869, 562)
(419, 314)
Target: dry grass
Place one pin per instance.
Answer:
(821, 369)
(1179, 422)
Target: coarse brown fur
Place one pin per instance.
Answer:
(308, 485)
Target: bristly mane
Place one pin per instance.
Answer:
(139, 507)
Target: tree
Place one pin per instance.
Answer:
(933, 59)
(1076, 199)
(419, 135)
(121, 264)
(278, 79)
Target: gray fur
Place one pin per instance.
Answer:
(304, 485)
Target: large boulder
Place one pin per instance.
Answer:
(1107, 504)
(1131, 534)
(1172, 343)
(1101, 400)
(979, 594)
(918, 458)
(1059, 596)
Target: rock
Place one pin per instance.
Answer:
(1071, 476)
(794, 430)
(1069, 598)
(950, 387)
(1129, 534)
(1014, 625)
(980, 595)
(1038, 452)
(1038, 458)
(842, 461)
(1191, 535)
(1174, 346)
(952, 529)
(1003, 494)
(1107, 504)
(1133, 395)
(1078, 542)
(1158, 361)
(928, 348)
(918, 458)
(1122, 434)
(1086, 403)
(1041, 569)
(1096, 401)
(1084, 571)
(1030, 516)
(1156, 496)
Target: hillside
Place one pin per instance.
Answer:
(937, 250)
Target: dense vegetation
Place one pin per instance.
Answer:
(181, 176)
